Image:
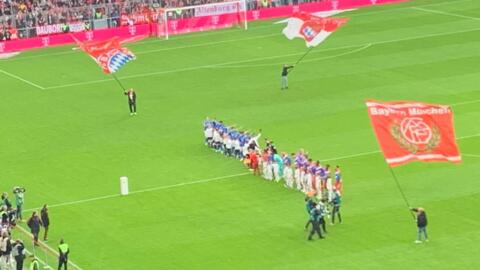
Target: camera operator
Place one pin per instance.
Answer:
(19, 199)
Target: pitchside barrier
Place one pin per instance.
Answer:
(179, 25)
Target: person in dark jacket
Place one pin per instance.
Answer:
(285, 71)
(421, 218)
(132, 101)
(308, 206)
(315, 216)
(45, 221)
(34, 224)
(336, 202)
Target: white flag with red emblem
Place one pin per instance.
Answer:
(313, 29)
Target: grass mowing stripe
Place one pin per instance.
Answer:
(304, 61)
(258, 59)
(208, 180)
(446, 13)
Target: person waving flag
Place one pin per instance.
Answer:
(313, 29)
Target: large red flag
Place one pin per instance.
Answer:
(108, 54)
(313, 29)
(409, 131)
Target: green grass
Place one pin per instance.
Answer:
(73, 140)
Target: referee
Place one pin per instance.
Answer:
(63, 252)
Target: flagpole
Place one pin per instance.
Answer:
(303, 56)
(401, 191)
(118, 81)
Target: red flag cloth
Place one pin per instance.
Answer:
(108, 54)
(313, 29)
(413, 131)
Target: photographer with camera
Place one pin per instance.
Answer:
(19, 200)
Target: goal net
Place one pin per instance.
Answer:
(174, 21)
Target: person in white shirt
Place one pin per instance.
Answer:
(208, 132)
(237, 149)
(330, 189)
(217, 140)
(227, 141)
(298, 178)
(288, 174)
(269, 170)
(307, 181)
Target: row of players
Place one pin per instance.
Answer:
(298, 170)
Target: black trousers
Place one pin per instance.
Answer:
(19, 260)
(322, 222)
(336, 211)
(132, 106)
(62, 261)
(315, 229)
(309, 221)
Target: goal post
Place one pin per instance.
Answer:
(174, 21)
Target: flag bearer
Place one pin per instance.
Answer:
(285, 70)
(132, 101)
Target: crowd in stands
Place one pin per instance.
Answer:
(21, 18)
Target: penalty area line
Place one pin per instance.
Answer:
(22, 79)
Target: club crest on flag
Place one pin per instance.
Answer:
(414, 135)
(118, 60)
(409, 131)
(108, 54)
(308, 32)
(313, 29)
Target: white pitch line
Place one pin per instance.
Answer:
(471, 155)
(22, 79)
(378, 151)
(304, 61)
(446, 13)
(143, 190)
(205, 44)
(353, 156)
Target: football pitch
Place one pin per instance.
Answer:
(66, 136)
